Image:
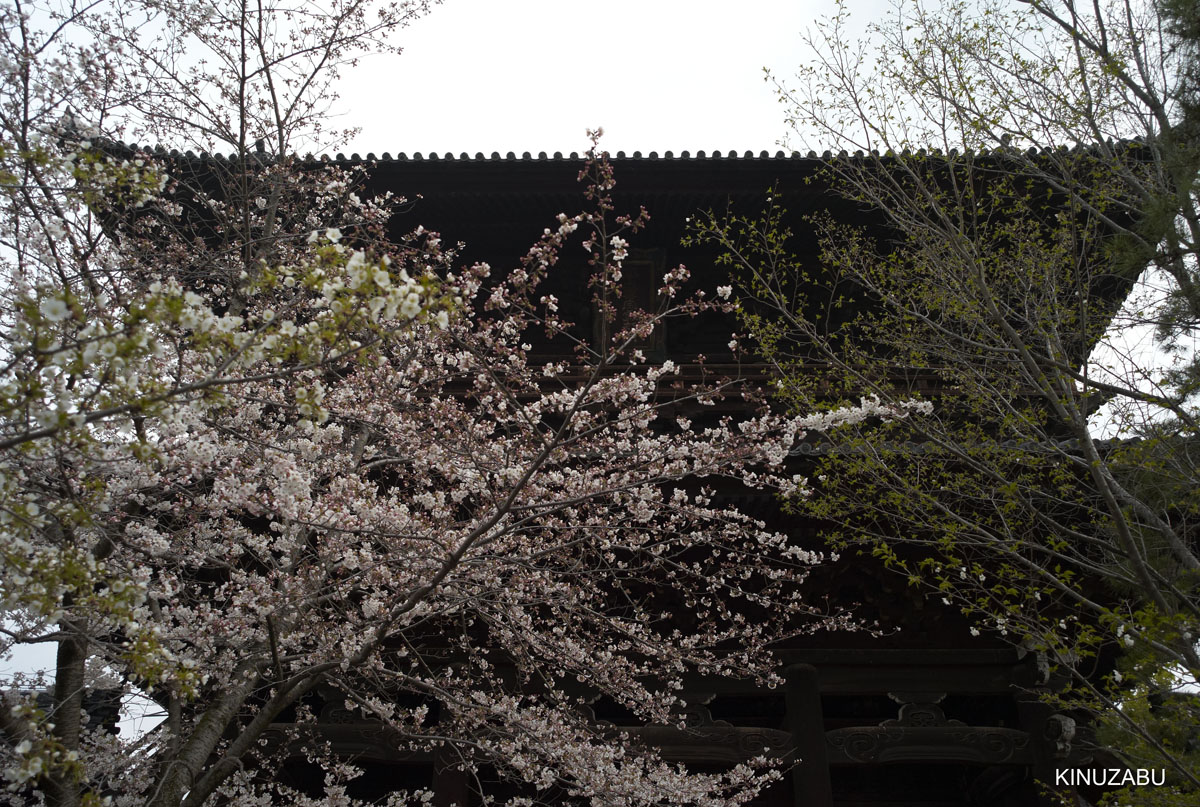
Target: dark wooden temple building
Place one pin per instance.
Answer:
(925, 716)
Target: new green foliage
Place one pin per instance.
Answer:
(1036, 163)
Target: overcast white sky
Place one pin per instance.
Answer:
(533, 75)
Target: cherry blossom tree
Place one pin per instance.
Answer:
(423, 508)
(251, 448)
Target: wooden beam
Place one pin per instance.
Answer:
(806, 722)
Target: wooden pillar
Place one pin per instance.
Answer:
(805, 721)
(1050, 736)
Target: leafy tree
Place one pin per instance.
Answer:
(249, 449)
(1036, 162)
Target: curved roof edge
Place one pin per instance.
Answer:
(652, 156)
